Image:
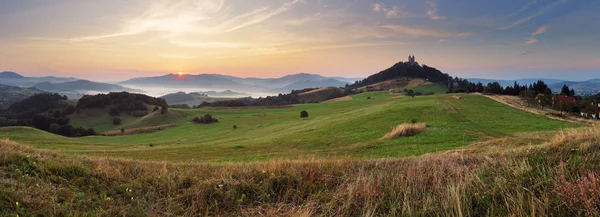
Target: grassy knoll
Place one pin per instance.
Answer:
(333, 130)
(429, 88)
(558, 177)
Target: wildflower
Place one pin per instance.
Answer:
(264, 171)
(17, 203)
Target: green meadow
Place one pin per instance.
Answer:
(333, 130)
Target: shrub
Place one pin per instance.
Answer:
(304, 114)
(405, 130)
(138, 114)
(117, 121)
(155, 108)
(91, 132)
(53, 128)
(206, 119)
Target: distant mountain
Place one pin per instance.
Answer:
(590, 87)
(192, 99)
(15, 79)
(10, 75)
(310, 84)
(226, 93)
(12, 94)
(81, 86)
(216, 81)
(524, 81)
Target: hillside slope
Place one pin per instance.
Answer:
(333, 129)
(556, 177)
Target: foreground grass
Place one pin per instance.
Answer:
(333, 130)
(560, 177)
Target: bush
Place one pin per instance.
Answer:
(156, 108)
(117, 121)
(138, 114)
(114, 112)
(304, 114)
(207, 119)
(53, 128)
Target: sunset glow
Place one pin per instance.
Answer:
(262, 38)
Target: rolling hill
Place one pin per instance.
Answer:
(12, 94)
(15, 79)
(80, 86)
(333, 129)
(215, 81)
(194, 99)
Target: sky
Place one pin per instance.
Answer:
(112, 40)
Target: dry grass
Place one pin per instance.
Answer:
(339, 99)
(518, 103)
(138, 130)
(408, 129)
(555, 178)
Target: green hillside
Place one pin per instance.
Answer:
(333, 130)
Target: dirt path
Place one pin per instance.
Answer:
(516, 102)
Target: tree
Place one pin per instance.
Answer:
(565, 91)
(546, 100)
(411, 93)
(303, 114)
(53, 128)
(117, 121)
(529, 96)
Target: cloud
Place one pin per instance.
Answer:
(378, 7)
(530, 41)
(393, 12)
(204, 44)
(425, 31)
(539, 12)
(441, 41)
(541, 30)
(527, 52)
(256, 17)
(432, 12)
(516, 23)
(528, 5)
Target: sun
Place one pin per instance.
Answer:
(180, 73)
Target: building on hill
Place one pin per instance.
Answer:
(411, 60)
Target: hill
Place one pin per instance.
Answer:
(321, 94)
(81, 86)
(215, 81)
(333, 129)
(405, 70)
(299, 85)
(12, 94)
(553, 176)
(15, 79)
(10, 75)
(195, 98)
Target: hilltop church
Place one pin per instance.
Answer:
(411, 60)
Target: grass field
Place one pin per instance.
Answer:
(430, 88)
(333, 130)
